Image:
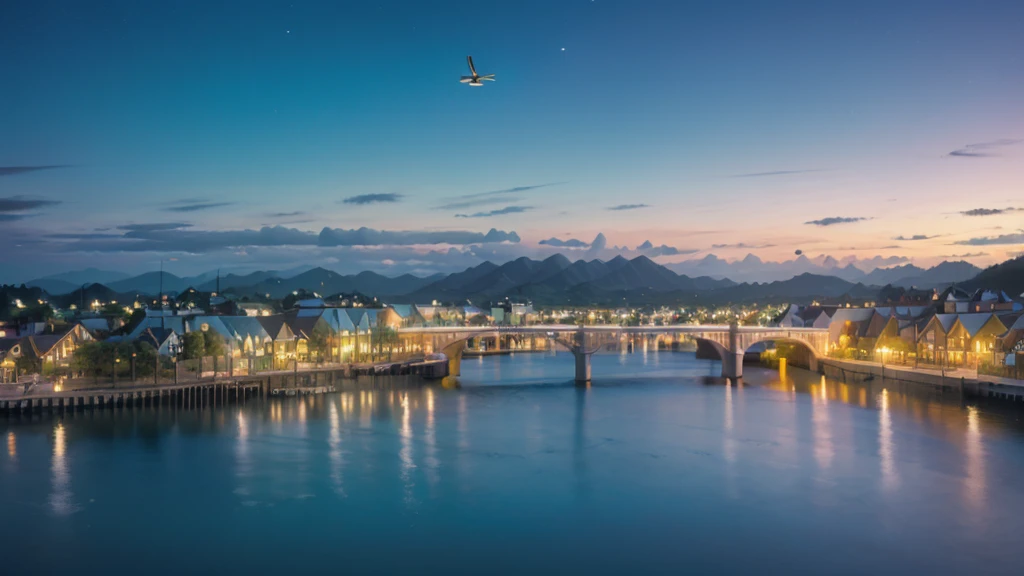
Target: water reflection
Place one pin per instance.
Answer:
(61, 502)
(405, 454)
(890, 476)
(975, 451)
(430, 437)
(876, 444)
(334, 454)
(823, 448)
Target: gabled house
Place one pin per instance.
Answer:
(931, 338)
(283, 339)
(313, 333)
(991, 301)
(960, 339)
(51, 351)
(243, 335)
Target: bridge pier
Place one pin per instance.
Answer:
(582, 366)
(732, 364)
(453, 352)
(732, 357)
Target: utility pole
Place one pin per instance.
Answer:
(160, 302)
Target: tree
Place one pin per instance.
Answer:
(87, 358)
(194, 345)
(215, 344)
(319, 341)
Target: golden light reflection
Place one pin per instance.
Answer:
(824, 451)
(60, 495)
(405, 454)
(975, 449)
(890, 477)
(243, 462)
(729, 446)
(12, 446)
(334, 454)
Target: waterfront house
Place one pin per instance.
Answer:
(283, 341)
(345, 333)
(313, 333)
(976, 334)
(931, 339)
(243, 335)
(53, 351)
(960, 339)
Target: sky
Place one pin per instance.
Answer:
(270, 135)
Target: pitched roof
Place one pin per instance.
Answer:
(973, 323)
(43, 343)
(946, 321)
(304, 321)
(274, 325)
(242, 327)
(339, 320)
(403, 310)
(176, 323)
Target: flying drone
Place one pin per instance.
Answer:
(475, 79)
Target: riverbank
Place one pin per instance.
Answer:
(212, 392)
(966, 381)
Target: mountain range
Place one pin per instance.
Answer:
(555, 280)
(753, 269)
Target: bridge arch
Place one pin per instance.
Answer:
(812, 355)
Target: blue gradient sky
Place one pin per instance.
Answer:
(229, 116)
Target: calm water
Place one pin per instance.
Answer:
(658, 467)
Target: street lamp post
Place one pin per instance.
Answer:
(133, 367)
(113, 374)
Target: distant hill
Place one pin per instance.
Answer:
(1008, 276)
(556, 280)
(53, 286)
(324, 282)
(87, 276)
(939, 276)
(802, 287)
(84, 296)
(150, 283)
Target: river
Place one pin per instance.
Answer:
(657, 467)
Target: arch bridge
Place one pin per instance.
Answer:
(731, 341)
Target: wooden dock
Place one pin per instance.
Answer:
(200, 394)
